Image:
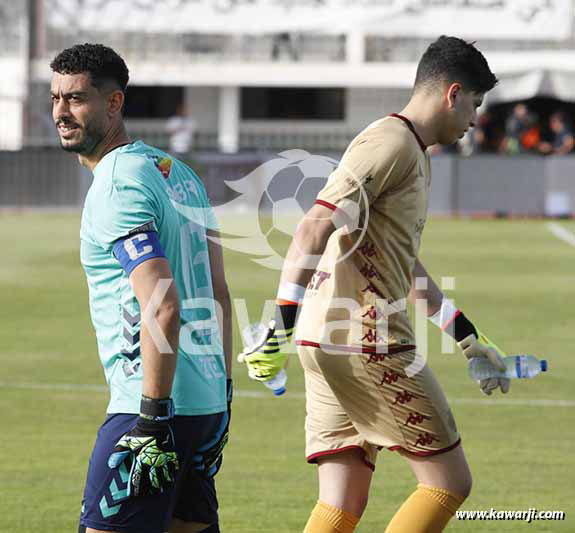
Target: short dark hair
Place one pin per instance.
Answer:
(450, 59)
(102, 63)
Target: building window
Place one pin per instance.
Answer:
(152, 102)
(298, 103)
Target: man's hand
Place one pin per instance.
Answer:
(266, 359)
(208, 459)
(480, 346)
(148, 450)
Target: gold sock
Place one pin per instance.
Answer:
(427, 510)
(328, 519)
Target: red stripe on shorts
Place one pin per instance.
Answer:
(357, 349)
(426, 453)
(314, 456)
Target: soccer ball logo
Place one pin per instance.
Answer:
(289, 194)
(275, 197)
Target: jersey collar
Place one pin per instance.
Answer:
(410, 126)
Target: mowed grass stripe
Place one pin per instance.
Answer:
(296, 395)
(513, 279)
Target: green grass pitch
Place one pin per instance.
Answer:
(513, 278)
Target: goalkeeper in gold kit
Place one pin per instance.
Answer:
(366, 386)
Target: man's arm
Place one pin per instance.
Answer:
(446, 316)
(430, 293)
(307, 246)
(147, 450)
(222, 296)
(265, 360)
(159, 366)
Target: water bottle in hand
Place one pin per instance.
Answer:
(517, 366)
(254, 335)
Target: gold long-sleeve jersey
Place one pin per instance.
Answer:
(357, 298)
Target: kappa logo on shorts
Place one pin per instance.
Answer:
(371, 288)
(368, 271)
(425, 439)
(416, 418)
(390, 377)
(376, 358)
(368, 249)
(372, 336)
(371, 313)
(404, 397)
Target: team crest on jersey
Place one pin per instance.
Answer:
(164, 165)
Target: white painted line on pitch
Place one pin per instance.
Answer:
(54, 386)
(296, 395)
(561, 233)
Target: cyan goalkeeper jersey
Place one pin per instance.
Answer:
(139, 189)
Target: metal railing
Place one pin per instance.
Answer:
(250, 140)
(410, 49)
(195, 47)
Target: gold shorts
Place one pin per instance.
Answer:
(372, 401)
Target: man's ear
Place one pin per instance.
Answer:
(452, 94)
(115, 102)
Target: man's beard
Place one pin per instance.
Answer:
(89, 140)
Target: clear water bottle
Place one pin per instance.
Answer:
(278, 383)
(516, 366)
(254, 335)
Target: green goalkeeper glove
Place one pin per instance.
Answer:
(148, 450)
(266, 359)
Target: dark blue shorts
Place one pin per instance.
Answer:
(191, 499)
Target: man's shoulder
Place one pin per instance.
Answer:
(386, 139)
(138, 160)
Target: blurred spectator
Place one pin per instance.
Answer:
(438, 149)
(181, 129)
(562, 136)
(522, 132)
(288, 42)
(486, 136)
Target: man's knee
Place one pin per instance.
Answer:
(361, 503)
(465, 485)
(344, 480)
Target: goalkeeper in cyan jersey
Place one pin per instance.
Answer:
(160, 307)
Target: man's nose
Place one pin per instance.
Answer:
(60, 109)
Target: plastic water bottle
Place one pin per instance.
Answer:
(517, 366)
(254, 335)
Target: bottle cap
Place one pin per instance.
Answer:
(544, 365)
(280, 391)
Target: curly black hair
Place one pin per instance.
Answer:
(102, 63)
(450, 59)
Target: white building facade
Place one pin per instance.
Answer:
(267, 75)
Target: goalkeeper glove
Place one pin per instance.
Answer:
(266, 358)
(208, 460)
(148, 450)
(472, 342)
